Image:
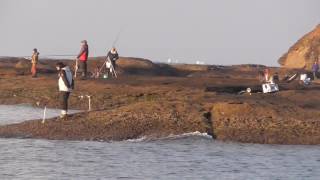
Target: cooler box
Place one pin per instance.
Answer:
(270, 88)
(303, 77)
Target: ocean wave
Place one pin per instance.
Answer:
(196, 134)
(143, 138)
(187, 135)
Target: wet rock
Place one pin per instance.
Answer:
(156, 104)
(263, 123)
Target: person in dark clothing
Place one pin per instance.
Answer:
(315, 69)
(66, 85)
(113, 56)
(83, 57)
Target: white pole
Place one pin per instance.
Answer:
(89, 99)
(44, 115)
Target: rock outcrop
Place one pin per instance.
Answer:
(265, 123)
(147, 119)
(304, 52)
(147, 101)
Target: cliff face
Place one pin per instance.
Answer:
(304, 52)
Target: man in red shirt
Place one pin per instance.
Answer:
(83, 57)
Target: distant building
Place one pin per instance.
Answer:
(200, 62)
(173, 61)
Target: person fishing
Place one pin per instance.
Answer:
(315, 69)
(34, 62)
(66, 85)
(83, 57)
(266, 74)
(113, 56)
(109, 64)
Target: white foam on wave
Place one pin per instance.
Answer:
(170, 137)
(143, 138)
(190, 134)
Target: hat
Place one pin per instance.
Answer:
(60, 64)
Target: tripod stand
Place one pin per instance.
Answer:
(108, 64)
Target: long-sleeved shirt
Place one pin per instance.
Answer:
(315, 67)
(84, 53)
(65, 81)
(35, 58)
(113, 56)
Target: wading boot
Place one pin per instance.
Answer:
(63, 117)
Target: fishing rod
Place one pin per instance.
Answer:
(117, 38)
(108, 61)
(59, 55)
(14, 56)
(43, 56)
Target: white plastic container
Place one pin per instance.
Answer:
(303, 77)
(270, 88)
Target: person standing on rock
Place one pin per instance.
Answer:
(315, 69)
(66, 85)
(83, 57)
(34, 62)
(266, 75)
(113, 56)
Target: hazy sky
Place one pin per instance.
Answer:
(214, 31)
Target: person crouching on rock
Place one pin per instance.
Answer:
(113, 56)
(83, 57)
(34, 62)
(66, 85)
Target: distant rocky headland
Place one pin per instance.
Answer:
(303, 53)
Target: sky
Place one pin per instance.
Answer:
(212, 31)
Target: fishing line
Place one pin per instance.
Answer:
(41, 55)
(118, 36)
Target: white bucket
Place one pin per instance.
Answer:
(303, 77)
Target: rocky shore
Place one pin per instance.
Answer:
(157, 100)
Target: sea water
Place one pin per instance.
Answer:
(10, 114)
(188, 156)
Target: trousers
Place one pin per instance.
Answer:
(83, 66)
(34, 70)
(64, 97)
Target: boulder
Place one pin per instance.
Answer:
(303, 53)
